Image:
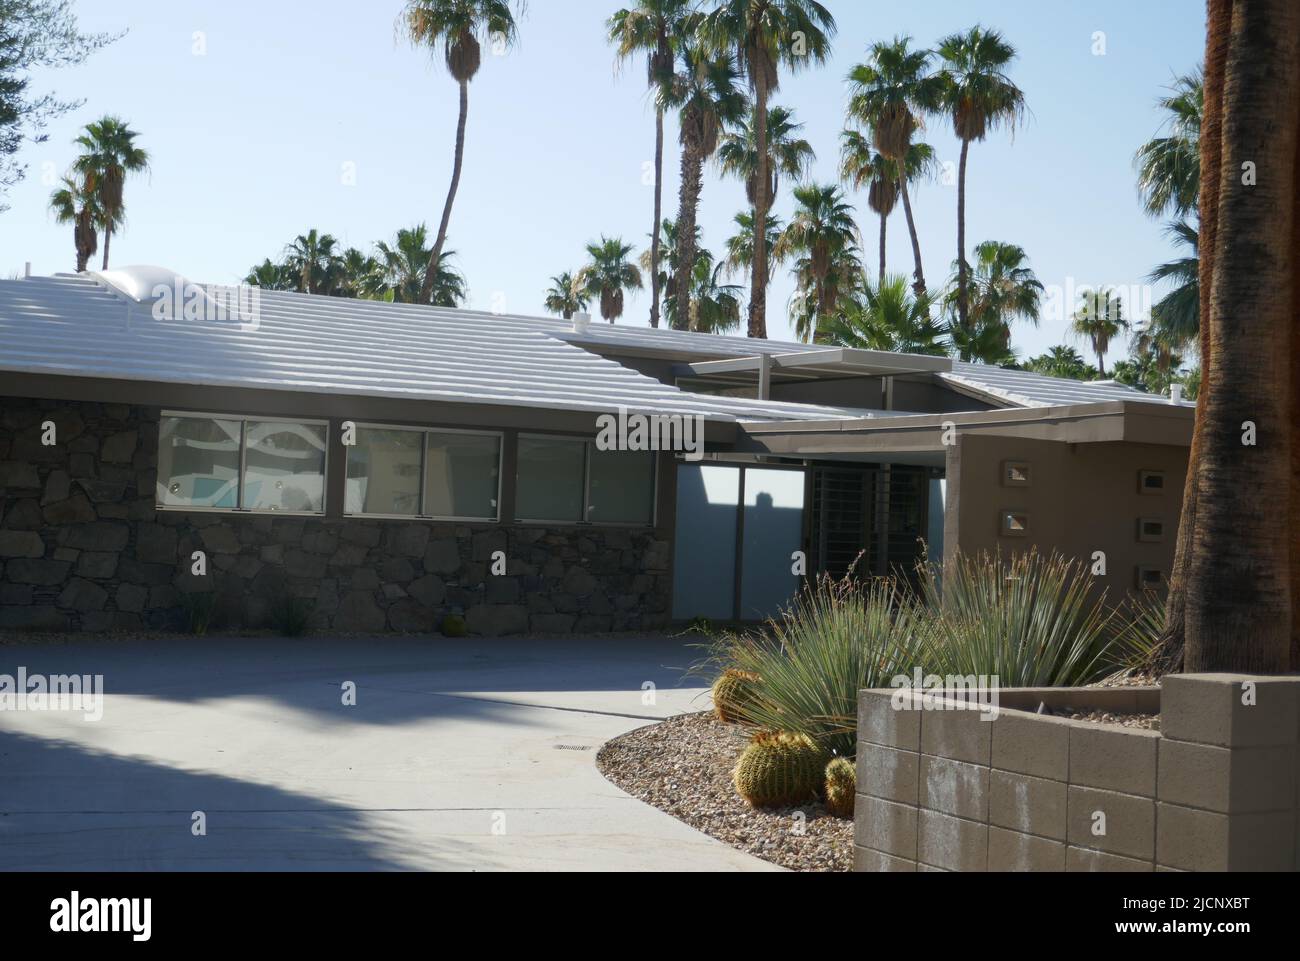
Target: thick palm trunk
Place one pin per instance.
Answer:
(963, 305)
(1173, 640)
(687, 216)
(654, 232)
(1238, 595)
(758, 269)
(108, 235)
(918, 286)
(431, 271)
(881, 278)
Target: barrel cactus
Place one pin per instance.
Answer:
(841, 786)
(780, 770)
(732, 692)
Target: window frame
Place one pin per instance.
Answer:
(589, 444)
(244, 420)
(424, 432)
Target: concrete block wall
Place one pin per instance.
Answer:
(1217, 789)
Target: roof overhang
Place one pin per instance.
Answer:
(816, 364)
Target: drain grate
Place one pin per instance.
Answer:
(573, 747)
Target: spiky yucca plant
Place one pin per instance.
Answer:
(841, 787)
(779, 770)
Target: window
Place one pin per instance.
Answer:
(567, 480)
(441, 475)
(208, 462)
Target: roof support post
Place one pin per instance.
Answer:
(765, 377)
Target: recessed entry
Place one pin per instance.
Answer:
(1015, 473)
(1151, 530)
(1013, 524)
(1150, 579)
(1151, 482)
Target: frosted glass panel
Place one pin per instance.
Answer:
(774, 501)
(704, 565)
(551, 474)
(462, 476)
(384, 472)
(285, 467)
(938, 505)
(198, 462)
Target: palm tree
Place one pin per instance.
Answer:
(1099, 320)
(986, 343)
(272, 276)
(565, 297)
(77, 204)
(740, 246)
(458, 26)
(765, 35)
(109, 153)
(706, 95)
(861, 166)
(357, 275)
(887, 316)
(315, 260)
(981, 97)
(788, 154)
(653, 27)
(1176, 318)
(401, 266)
(889, 95)
(1062, 361)
(823, 235)
(715, 306)
(1169, 167)
(1002, 289)
(608, 274)
(669, 268)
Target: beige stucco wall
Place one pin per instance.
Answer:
(1081, 498)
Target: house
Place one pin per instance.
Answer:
(390, 464)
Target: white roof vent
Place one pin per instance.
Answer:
(144, 283)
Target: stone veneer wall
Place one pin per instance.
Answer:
(82, 547)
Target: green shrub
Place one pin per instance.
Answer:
(453, 625)
(198, 609)
(291, 615)
(837, 638)
(841, 787)
(779, 770)
(732, 693)
(1031, 621)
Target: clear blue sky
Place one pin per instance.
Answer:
(249, 141)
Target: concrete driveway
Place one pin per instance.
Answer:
(458, 755)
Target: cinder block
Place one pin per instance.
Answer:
(885, 826)
(1130, 822)
(884, 772)
(1235, 780)
(880, 722)
(1036, 745)
(1209, 709)
(1206, 841)
(1013, 851)
(1080, 860)
(1113, 758)
(954, 787)
(960, 735)
(1030, 805)
(865, 860)
(952, 843)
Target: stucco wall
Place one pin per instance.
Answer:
(82, 547)
(1081, 498)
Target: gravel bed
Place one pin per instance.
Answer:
(683, 767)
(1146, 722)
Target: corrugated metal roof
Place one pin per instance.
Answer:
(71, 325)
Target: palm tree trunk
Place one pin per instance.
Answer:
(654, 233)
(758, 269)
(1173, 638)
(918, 287)
(108, 233)
(687, 217)
(435, 259)
(1238, 595)
(963, 308)
(881, 278)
